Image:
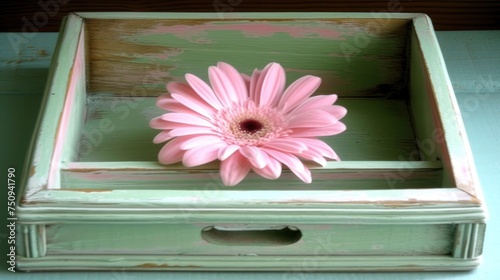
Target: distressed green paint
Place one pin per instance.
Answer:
(403, 206)
(77, 107)
(350, 61)
(40, 158)
(331, 59)
(117, 129)
(456, 151)
(291, 265)
(185, 239)
(426, 213)
(186, 179)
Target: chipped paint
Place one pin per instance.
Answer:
(297, 29)
(32, 171)
(42, 52)
(165, 265)
(86, 190)
(152, 265)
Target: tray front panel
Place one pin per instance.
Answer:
(255, 239)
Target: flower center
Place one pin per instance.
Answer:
(248, 124)
(251, 126)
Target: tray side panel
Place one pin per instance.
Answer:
(41, 171)
(352, 57)
(447, 136)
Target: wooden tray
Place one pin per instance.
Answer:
(405, 197)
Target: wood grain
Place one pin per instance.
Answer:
(137, 57)
(446, 15)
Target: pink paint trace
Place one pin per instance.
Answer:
(74, 83)
(198, 33)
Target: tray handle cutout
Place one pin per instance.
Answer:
(251, 236)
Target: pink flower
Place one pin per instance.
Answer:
(248, 123)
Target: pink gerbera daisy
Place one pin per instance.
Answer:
(248, 123)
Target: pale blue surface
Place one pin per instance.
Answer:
(473, 60)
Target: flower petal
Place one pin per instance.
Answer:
(195, 104)
(200, 141)
(224, 153)
(318, 131)
(252, 92)
(171, 152)
(311, 118)
(313, 156)
(305, 175)
(256, 91)
(298, 91)
(186, 119)
(286, 145)
(255, 156)
(273, 85)
(247, 80)
(288, 159)
(295, 165)
(159, 123)
(335, 110)
(181, 88)
(234, 169)
(162, 137)
(191, 130)
(236, 79)
(204, 91)
(319, 146)
(271, 171)
(223, 88)
(202, 154)
(338, 112)
(314, 102)
(165, 102)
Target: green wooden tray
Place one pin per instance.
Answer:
(405, 197)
